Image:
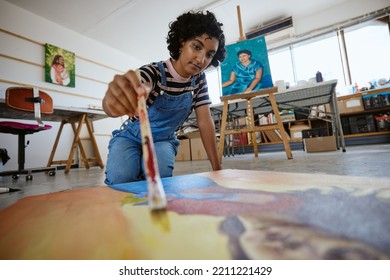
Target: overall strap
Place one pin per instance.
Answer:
(162, 71)
(193, 81)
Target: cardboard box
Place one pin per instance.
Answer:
(296, 130)
(320, 144)
(184, 151)
(350, 105)
(315, 132)
(197, 150)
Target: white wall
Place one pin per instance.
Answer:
(22, 39)
(344, 11)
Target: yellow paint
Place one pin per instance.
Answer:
(131, 199)
(172, 236)
(160, 219)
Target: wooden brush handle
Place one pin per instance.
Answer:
(156, 194)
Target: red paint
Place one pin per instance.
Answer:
(150, 161)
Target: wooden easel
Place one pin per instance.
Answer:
(251, 127)
(83, 119)
(242, 37)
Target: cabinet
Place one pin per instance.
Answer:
(365, 114)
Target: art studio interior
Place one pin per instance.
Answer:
(304, 152)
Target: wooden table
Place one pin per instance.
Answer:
(76, 117)
(227, 214)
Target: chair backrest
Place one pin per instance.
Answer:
(29, 99)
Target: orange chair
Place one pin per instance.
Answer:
(27, 100)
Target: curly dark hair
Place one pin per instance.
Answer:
(248, 52)
(193, 24)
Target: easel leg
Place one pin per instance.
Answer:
(222, 132)
(251, 124)
(279, 121)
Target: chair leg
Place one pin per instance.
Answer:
(21, 151)
(21, 161)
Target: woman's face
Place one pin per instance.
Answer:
(60, 65)
(244, 58)
(196, 54)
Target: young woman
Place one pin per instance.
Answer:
(174, 88)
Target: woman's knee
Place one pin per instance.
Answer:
(166, 152)
(120, 175)
(123, 162)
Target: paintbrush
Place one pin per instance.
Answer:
(156, 195)
(7, 190)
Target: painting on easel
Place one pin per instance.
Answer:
(246, 67)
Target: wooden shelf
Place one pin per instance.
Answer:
(370, 111)
(367, 134)
(362, 113)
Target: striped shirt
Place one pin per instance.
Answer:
(174, 86)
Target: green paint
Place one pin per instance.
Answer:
(131, 199)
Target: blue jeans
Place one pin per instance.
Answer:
(125, 163)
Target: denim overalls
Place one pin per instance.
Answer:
(166, 115)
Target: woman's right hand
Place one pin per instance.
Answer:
(122, 95)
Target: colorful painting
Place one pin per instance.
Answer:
(246, 67)
(230, 214)
(59, 66)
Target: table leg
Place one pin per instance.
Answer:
(74, 144)
(336, 122)
(251, 124)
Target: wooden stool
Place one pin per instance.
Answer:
(251, 127)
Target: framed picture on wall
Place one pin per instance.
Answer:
(59, 66)
(246, 67)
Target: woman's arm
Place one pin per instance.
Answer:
(121, 96)
(256, 80)
(53, 74)
(230, 81)
(207, 134)
(65, 77)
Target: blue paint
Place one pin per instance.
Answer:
(173, 186)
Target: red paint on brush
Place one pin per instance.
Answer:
(150, 161)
